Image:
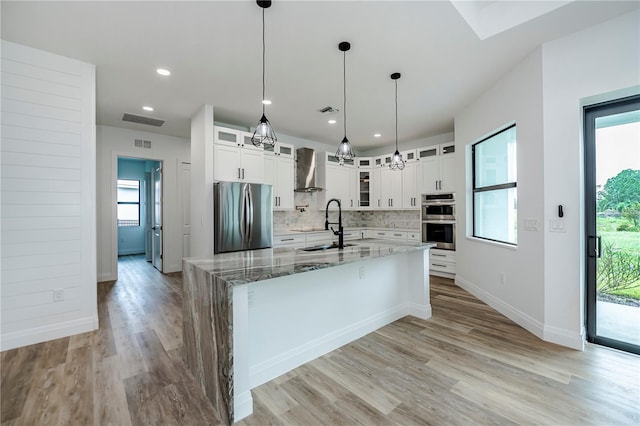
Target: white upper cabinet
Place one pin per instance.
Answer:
(279, 172)
(236, 159)
(410, 194)
(437, 163)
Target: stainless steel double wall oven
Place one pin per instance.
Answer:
(439, 220)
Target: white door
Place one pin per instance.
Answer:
(157, 219)
(148, 216)
(185, 195)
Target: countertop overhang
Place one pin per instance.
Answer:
(243, 267)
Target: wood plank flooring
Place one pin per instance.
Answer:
(466, 365)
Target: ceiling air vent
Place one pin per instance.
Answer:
(328, 109)
(142, 120)
(139, 143)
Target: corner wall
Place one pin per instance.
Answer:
(114, 142)
(587, 67)
(515, 98)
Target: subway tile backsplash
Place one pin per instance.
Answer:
(312, 218)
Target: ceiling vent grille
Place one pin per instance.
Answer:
(328, 109)
(139, 143)
(142, 120)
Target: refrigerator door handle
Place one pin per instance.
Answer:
(243, 215)
(249, 215)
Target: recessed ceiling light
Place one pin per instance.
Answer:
(331, 121)
(162, 71)
(147, 108)
(377, 135)
(266, 101)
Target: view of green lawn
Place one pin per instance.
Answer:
(622, 240)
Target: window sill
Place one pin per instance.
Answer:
(493, 243)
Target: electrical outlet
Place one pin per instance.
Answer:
(503, 279)
(361, 272)
(58, 295)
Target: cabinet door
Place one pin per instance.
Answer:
(245, 142)
(226, 163)
(391, 189)
(252, 165)
(352, 202)
(284, 183)
(269, 171)
(430, 174)
(338, 183)
(364, 188)
(447, 173)
(224, 136)
(409, 186)
(376, 186)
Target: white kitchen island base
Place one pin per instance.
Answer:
(280, 323)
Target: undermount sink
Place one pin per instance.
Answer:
(324, 247)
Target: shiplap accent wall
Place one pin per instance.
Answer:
(47, 189)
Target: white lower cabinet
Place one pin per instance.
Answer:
(442, 262)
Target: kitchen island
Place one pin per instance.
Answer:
(250, 316)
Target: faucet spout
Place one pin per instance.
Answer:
(340, 231)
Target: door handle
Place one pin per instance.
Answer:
(596, 251)
(599, 239)
(242, 173)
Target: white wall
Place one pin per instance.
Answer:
(202, 182)
(515, 98)
(114, 142)
(544, 95)
(48, 196)
(590, 66)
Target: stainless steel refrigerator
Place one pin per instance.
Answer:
(243, 216)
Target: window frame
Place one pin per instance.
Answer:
(475, 190)
(130, 203)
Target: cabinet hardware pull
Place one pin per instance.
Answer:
(397, 235)
(238, 172)
(380, 233)
(437, 264)
(287, 239)
(242, 173)
(438, 255)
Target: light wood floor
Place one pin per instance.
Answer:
(466, 365)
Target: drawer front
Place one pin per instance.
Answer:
(442, 255)
(414, 236)
(442, 266)
(283, 240)
(352, 235)
(320, 237)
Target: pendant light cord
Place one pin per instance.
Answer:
(396, 81)
(263, 60)
(344, 91)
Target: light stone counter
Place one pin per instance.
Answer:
(238, 329)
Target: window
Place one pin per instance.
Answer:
(128, 202)
(495, 201)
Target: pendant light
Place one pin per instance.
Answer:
(396, 161)
(345, 151)
(264, 134)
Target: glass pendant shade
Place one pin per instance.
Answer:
(345, 150)
(264, 134)
(397, 163)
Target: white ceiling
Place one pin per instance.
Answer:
(213, 49)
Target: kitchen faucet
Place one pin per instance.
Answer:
(340, 231)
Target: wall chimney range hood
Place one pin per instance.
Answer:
(306, 176)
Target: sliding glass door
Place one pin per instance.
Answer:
(612, 196)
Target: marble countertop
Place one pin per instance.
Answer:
(256, 265)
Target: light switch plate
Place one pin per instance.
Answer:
(531, 224)
(557, 225)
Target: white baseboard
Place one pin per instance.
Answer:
(106, 276)
(167, 269)
(48, 332)
(559, 336)
(522, 319)
(420, 311)
(563, 337)
(242, 406)
(278, 365)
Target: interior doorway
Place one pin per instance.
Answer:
(612, 218)
(139, 209)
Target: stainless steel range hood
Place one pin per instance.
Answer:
(306, 175)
